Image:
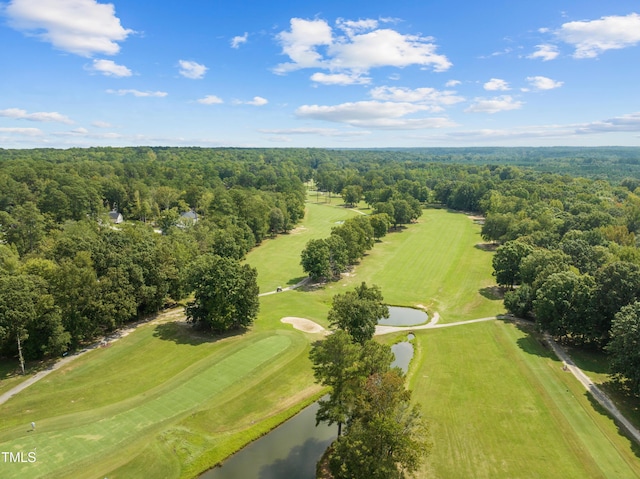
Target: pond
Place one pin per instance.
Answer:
(404, 317)
(403, 352)
(292, 449)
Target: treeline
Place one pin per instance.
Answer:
(70, 274)
(568, 243)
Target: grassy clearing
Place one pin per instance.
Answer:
(434, 263)
(103, 407)
(166, 402)
(500, 406)
(278, 260)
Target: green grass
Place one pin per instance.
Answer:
(501, 407)
(278, 260)
(167, 402)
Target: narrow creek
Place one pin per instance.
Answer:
(293, 448)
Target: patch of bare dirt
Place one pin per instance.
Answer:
(303, 324)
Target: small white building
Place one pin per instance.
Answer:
(115, 216)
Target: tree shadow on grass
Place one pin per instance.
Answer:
(185, 333)
(493, 293)
(486, 246)
(622, 431)
(532, 343)
(293, 281)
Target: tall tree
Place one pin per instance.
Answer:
(335, 365)
(357, 312)
(386, 436)
(623, 348)
(226, 293)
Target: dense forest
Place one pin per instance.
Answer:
(564, 221)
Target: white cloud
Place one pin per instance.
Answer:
(110, 68)
(386, 47)
(591, 38)
(239, 40)
(373, 114)
(192, 70)
(83, 27)
(494, 105)
(300, 44)
(22, 131)
(330, 132)
(312, 44)
(431, 97)
(624, 123)
(496, 84)
(340, 79)
(211, 100)
(41, 116)
(351, 27)
(257, 101)
(452, 83)
(545, 52)
(139, 93)
(101, 124)
(543, 83)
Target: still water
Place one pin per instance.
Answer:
(292, 449)
(404, 317)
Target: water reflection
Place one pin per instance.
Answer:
(292, 450)
(289, 451)
(404, 317)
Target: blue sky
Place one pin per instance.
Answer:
(350, 74)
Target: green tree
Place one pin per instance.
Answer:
(386, 437)
(506, 262)
(29, 317)
(380, 223)
(276, 221)
(563, 305)
(623, 350)
(335, 365)
(357, 312)
(315, 259)
(226, 293)
(352, 194)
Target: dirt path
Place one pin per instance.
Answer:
(162, 317)
(595, 391)
(289, 288)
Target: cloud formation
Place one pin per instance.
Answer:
(210, 100)
(192, 70)
(543, 83)
(545, 52)
(374, 114)
(494, 105)
(496, 84)
(429, 97)
(139, 93)
(354, 47)
(340, 79)
(22, 131)
(239, 40)
(42, 116)
(82, 27)
(110, 68)
(591, 38)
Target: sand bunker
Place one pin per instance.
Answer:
(303, 324)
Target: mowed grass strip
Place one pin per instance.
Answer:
(433, 263)
(278, 260)
(501, 407)
(63, 440)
